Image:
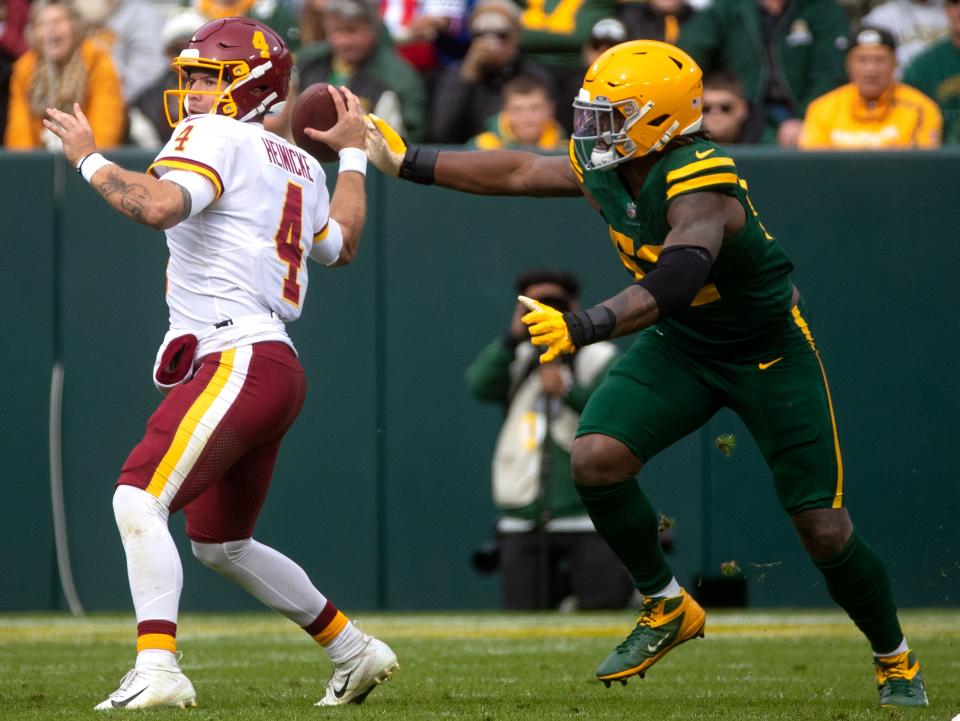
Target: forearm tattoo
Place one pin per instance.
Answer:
(129, 198)
(634, 308)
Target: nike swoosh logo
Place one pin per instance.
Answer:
(128, 699)
(701, 154)
(764, 366)
(343, 689)
(652, 647)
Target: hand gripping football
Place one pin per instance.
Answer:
(315, 109)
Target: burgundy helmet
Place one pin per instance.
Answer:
(250, 60)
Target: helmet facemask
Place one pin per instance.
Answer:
(601, 137)
(231, 75)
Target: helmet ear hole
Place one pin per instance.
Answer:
(658, 121)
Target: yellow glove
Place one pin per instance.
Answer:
(547, 327)
(385, 147)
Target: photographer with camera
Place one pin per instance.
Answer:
(548, 549)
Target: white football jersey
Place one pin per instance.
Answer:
(245, 254)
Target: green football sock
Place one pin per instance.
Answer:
(625, 519)
(858, 582)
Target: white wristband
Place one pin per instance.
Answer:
(353, 159)
(90, 164)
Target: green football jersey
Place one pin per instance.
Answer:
(747, 294)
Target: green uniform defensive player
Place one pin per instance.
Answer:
(719, 324)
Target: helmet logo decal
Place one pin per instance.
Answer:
(260, 43)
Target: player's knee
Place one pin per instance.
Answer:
(824, 531)
(598, 460)
(220, 556)
(211, 555)
(134, 508)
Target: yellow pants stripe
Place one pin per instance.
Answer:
(805, 329)
(190, 422)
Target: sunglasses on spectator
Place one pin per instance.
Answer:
(500, 34)
(724, 107)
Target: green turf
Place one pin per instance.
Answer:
(484, 667)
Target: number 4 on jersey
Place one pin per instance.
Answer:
(287, 240)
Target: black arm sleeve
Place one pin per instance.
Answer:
(677, 277)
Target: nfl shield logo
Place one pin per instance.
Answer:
(631, 210)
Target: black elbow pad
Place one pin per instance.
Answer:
(677, 277)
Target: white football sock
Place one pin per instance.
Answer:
(896, 652)
(670, 590)
(266, 574)
(347, 644)
(156, 658)
(153, 564)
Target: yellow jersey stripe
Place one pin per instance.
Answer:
(698, 167)
(159, 641)
(332, 629)
(624, 244)
(190, 422)
(805, 329)
(577, 170)
(322, 235)
(705, 181)
(184, 164)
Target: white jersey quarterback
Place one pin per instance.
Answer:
(238, 271)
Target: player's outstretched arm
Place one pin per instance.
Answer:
(348, 206)
(159, 204)
(698, 223)
(484, 172)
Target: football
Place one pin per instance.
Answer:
(314, 108)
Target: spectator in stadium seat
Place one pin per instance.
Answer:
(914, 24)
(785, 52)
(127, 29)
(416, 26)
(311, 22)
(554, 32)
(604, 34)
(149, 122)
(467, 93)
(727, 115)
(532, 480)
(873, 111)
(936, 73)
(61, 68)
(526, 120)
(13, 44)
(655, 19)
(356, 53)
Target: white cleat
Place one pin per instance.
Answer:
(150, 687)
(354, 679)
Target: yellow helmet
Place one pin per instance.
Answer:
(635, 98)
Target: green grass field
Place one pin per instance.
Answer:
(485, 667)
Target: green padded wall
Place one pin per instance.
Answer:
(382, 488)
(27, 294)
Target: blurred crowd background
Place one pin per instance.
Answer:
(813, 74)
